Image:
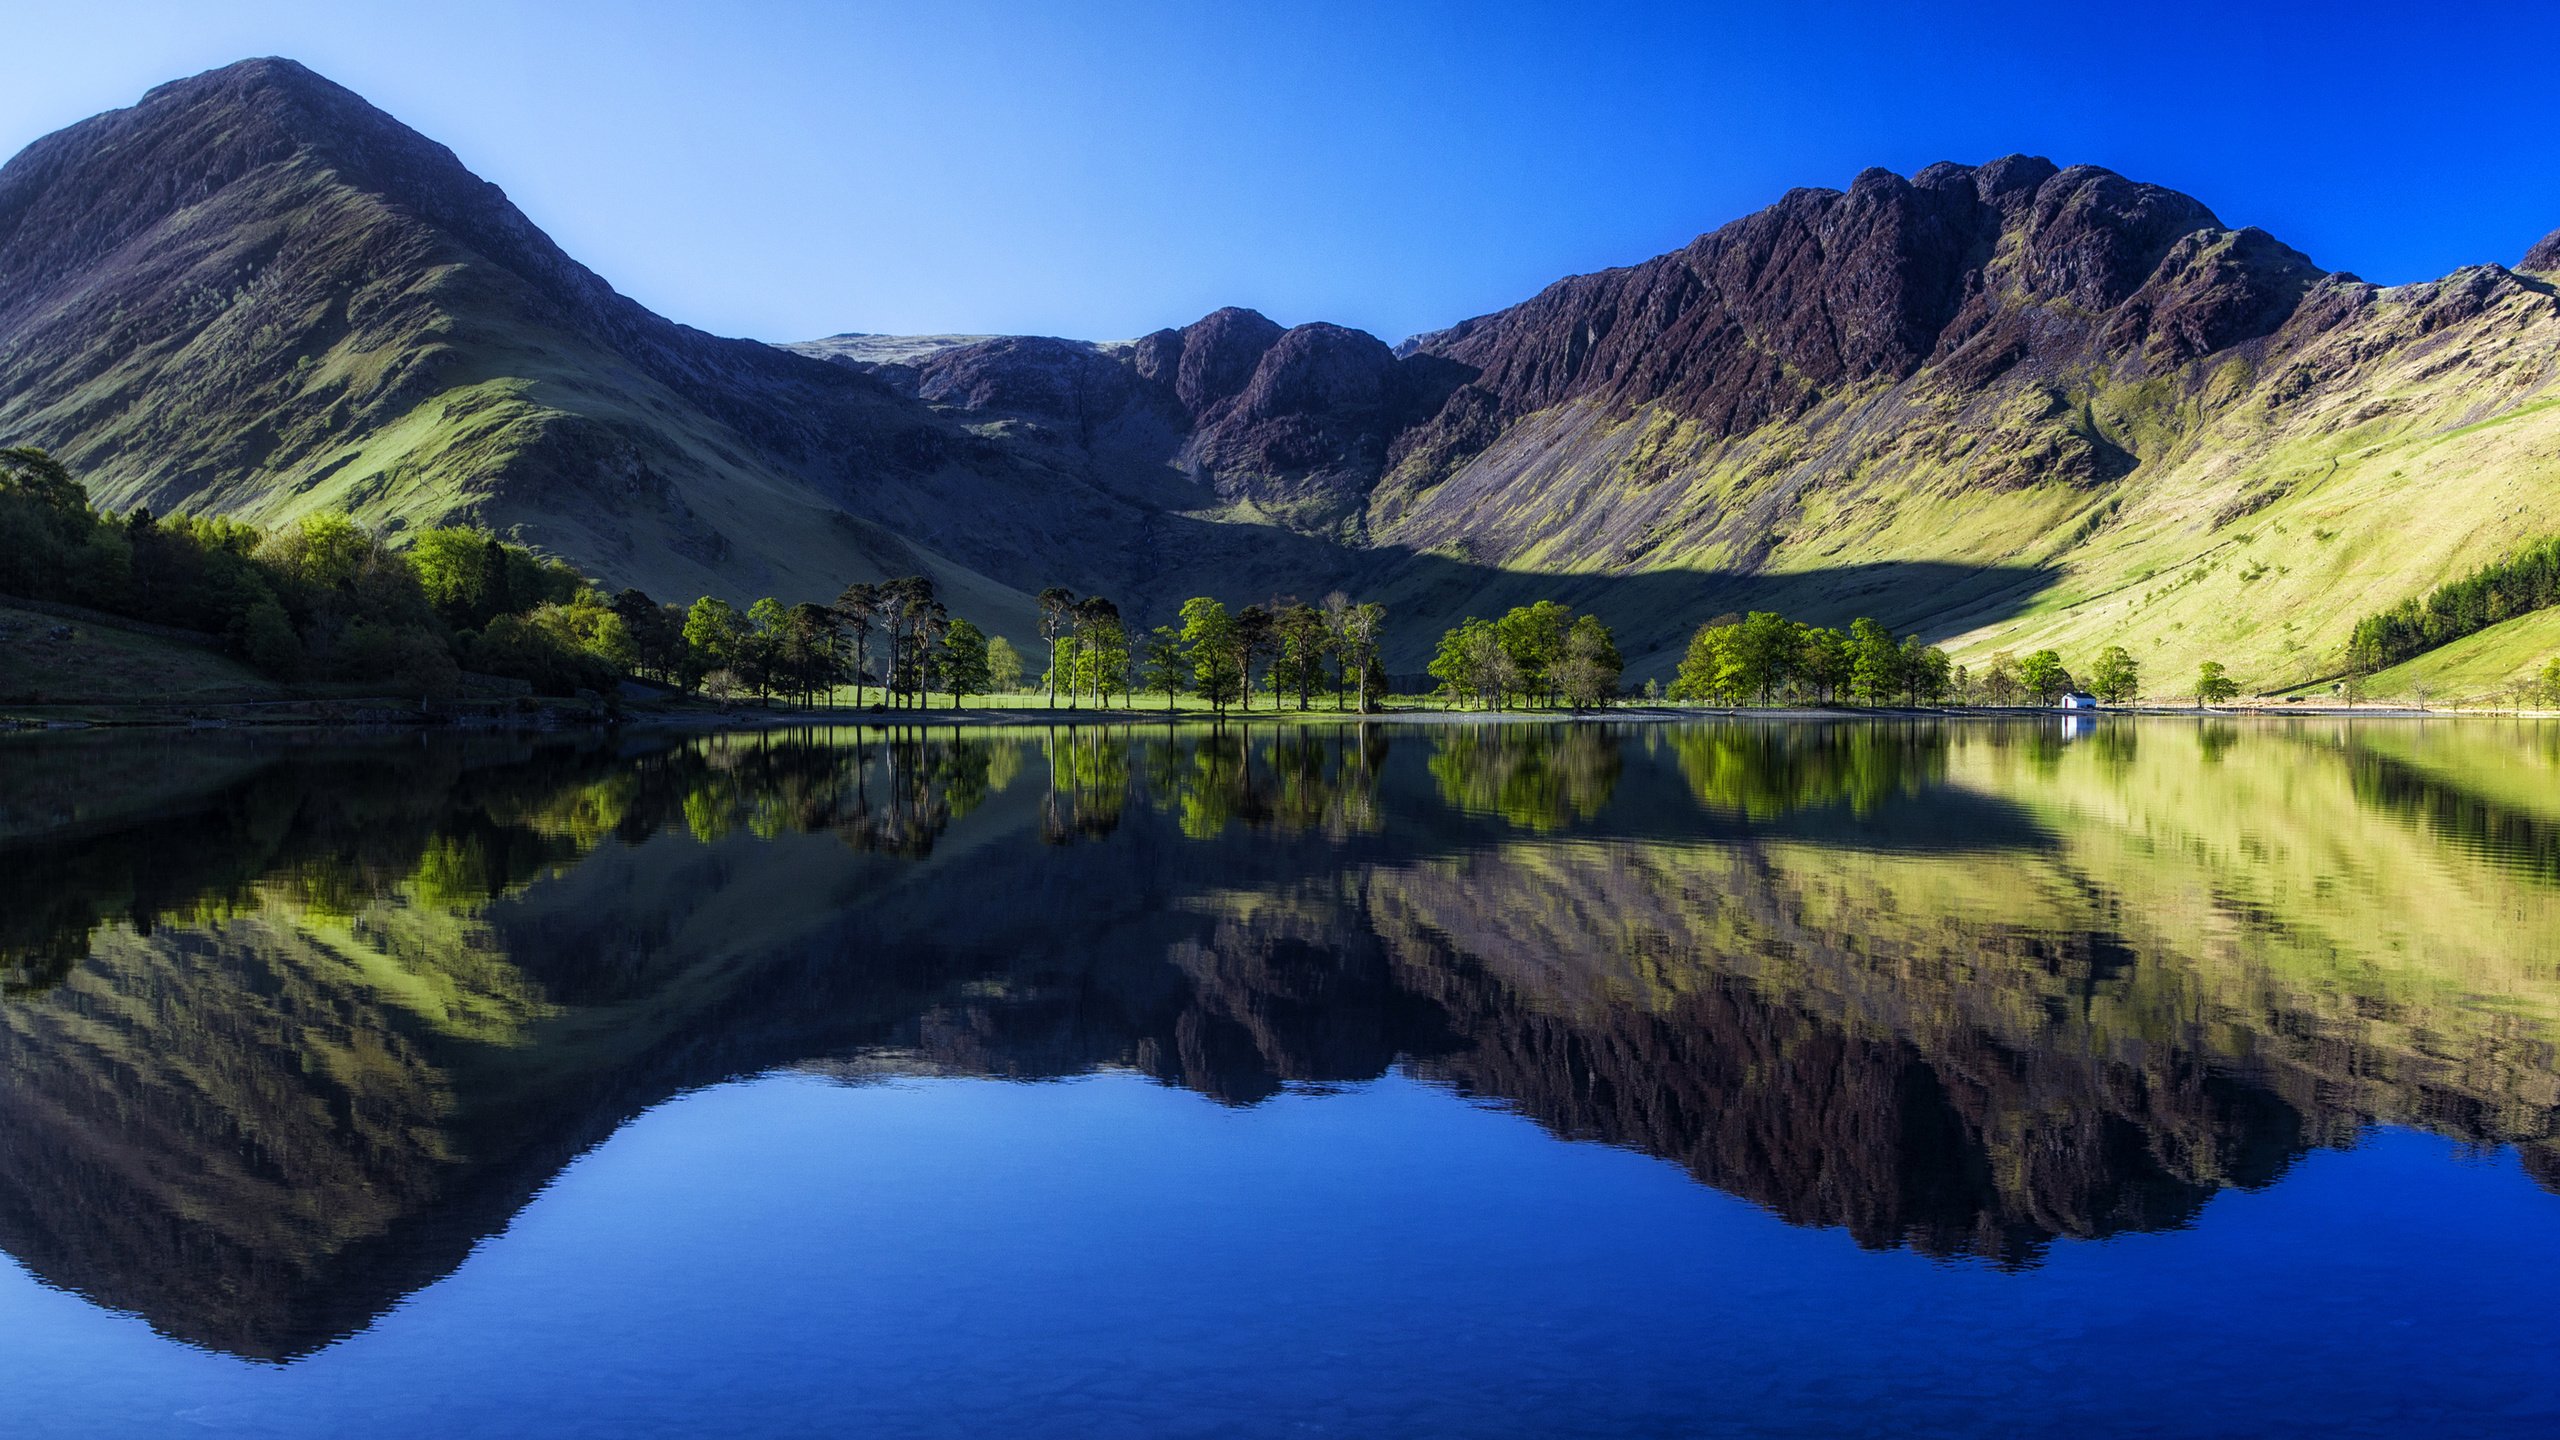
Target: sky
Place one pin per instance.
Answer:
(1105, 168)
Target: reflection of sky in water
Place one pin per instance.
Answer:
(1110, 1257)
(2118, 1006)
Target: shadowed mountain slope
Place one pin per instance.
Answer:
(2204, 444)
(2113, 417)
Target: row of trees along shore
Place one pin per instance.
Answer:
(324, 599)
(1766, 659)
(1541, 652)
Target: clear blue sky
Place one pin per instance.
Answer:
(1099, 169)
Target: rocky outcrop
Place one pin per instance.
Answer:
(2545, 254)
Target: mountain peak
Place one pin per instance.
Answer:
(2545, 255)
(257, 72)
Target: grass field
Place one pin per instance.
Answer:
(50, 661)
(2478, 666)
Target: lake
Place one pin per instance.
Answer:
(2116, 1077)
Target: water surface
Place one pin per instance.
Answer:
(1729, 1078)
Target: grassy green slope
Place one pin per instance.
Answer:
(55, 661)
(2477, 667)
(2381, 443)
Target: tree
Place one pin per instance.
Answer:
(1057, 603)
(1304, 642)
(1926, 672)
(806, 658)
(1824, 662)
(1589, 669)
(31, 472)
(759, 661)
(2043, 677)
(1164, 669)
(1709, 671)
(858, 611)
(1101, 662)
(1356, 632)
(1762, 653)
(1875, 662)
(713, 632)
(1100, 658)
(2214, 685)
(2548, 692)
(1533, 638)
(1256, 638)
(2000, 682)
(2117, 679)
(1004, 666)
(965, 661)
(1209, 643)
(1473, 663)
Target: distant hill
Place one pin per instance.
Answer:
(2004, 405)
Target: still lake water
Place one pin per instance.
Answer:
(2148, 1078)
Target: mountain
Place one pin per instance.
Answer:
(286, 1030)
(2009, 405)
(254, 293)
(2004, 406)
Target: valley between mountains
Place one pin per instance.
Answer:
(2004, 406)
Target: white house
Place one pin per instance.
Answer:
(2079, 700)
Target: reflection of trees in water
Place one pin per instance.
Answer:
(1292, 779)
(1762, 771)
(317, 831)
(1540, 777)
(330, 831)
(1832, 1039)
(2214, 740)
(2518, 839)
(1088, 784)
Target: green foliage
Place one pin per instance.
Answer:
(1165, 670)
(966, 667)
(1472, 663)
(1004, 666)
(1356, 629)
(323, 599)
(1763, 656)
(2214, 684)
(1305, 645)
(2044, 677)
(1875, 662)
(1533, 637)
(715, 632)
(2116, 679)
(1211, 644)
(1587, 673)
(2525, 581)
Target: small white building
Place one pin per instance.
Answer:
(2078, 700)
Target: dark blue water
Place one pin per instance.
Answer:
(1927, 1083)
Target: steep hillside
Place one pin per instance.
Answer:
(2004, 406)
(255, 293)
(2009, 405)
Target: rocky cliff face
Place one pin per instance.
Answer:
(2000, 405)
(1988, 403)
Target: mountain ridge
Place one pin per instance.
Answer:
(1977, 401)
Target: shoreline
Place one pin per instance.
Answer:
(376, 716)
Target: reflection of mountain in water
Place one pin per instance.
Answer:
(294, 1029)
